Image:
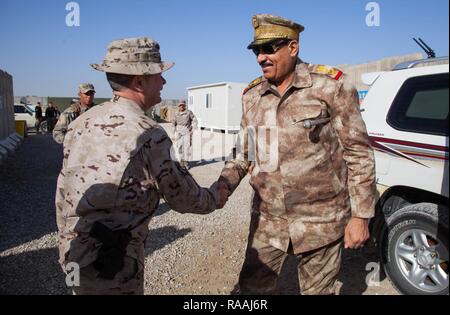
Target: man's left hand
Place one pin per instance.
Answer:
(356, 233)
(221, 193)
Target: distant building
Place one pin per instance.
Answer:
(217, 105)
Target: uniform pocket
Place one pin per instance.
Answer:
(306, 112)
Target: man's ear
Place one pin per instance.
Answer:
(137, 83)
(293, 48)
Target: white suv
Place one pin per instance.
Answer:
(406, 113)
(27, 113)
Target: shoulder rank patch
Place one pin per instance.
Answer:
(252, 84)
(329, 71)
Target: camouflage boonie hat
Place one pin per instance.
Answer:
(269, 28)
(86, 87)
(134, 56)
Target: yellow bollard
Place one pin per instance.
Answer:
(21, 127)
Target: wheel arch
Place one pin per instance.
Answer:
(397, 197)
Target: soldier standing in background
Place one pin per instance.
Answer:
(184, 124)
(316, 191)
(50, 117)
(117, 165)
(39, 117)
(86, 93)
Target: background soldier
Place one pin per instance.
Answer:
(184, 123)
(317, 191)
(116, 166)
(39, 117)
(50, 117)
(86, 93)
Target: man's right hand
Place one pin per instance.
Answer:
(221, 193)
(251, 168)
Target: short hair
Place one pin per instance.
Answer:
(119, 81)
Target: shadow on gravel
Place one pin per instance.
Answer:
(35, 272)
(353, 272)
(160, 237)
(27, 191)
(162, 208)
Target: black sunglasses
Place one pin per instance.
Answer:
(89, 93)
(269, 49)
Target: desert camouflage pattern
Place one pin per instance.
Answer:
(86, 87)
(183, 125)
(128, 281)
(268, 27)
(317, 269)
(69, 115)
(136, 56)
(319, 175)
(184, 122)
(117, 165)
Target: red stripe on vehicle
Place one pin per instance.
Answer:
(411, 144)
(425, 155)
(385, 148)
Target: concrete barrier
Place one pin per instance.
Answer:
(9, 139)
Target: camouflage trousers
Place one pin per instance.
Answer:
(128, 281)
(317, 269)
(184, 147)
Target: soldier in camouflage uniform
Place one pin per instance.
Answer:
(184, 123)
(117, 164)
(316, 191)
(86, 93)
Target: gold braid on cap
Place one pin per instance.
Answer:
(266, 31)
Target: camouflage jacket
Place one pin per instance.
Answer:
(69, 115)
(321, 168)
(184, 122)
(117, 164)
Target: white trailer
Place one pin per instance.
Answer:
(217, 106)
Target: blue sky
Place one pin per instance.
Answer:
(206, 39)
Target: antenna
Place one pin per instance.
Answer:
(430, 52)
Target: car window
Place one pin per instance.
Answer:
(20, 110)
(421, 105)
(31, 108)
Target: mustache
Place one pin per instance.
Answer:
(265, 64)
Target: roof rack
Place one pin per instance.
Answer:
(421, 62)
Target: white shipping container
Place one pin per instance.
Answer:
(217, 105)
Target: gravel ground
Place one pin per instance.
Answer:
(185, 253)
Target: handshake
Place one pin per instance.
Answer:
(221, 192)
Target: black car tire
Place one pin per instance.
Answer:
(427, 217)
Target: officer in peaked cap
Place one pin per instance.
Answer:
(315, 195)
(270, 28)
(117, 164)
